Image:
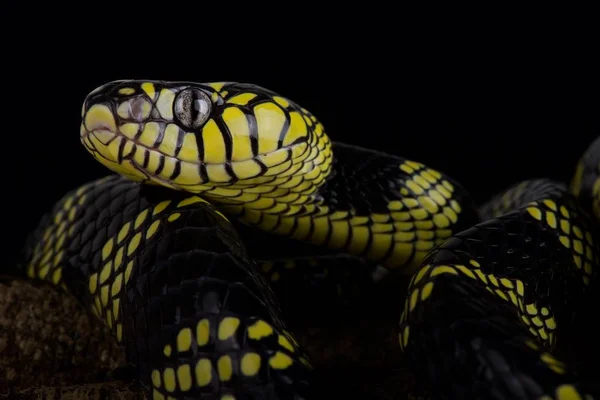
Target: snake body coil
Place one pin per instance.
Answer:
(169, 277)
(492, 297)
(166, 270)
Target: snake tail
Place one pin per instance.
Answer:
(168, 275)
(492, 299)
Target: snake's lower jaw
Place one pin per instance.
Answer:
(98, 144)
(127, 169)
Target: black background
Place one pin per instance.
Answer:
(489, 110)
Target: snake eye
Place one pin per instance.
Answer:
(192, 108)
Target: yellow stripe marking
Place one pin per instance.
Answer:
(140, 219)
(241, 99)
(156, 381)
(214, 145)
(184, 340)
(224, 367)
(203, 372)
(123, 232)
(297, 129)
(160, 207)
(280, 361)
(149, 89)
(107, 249)
(134, 243)
(152, 229)
(259, 330)
(282, 340)
(202, 332)
(164, 104)
(116, 286)
(184, 377)
(169, 379)
(189, 149)
(250, 364)
(227, 327)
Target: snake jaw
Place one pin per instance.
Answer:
(101, 137)
(102, 142)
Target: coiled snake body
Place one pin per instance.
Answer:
(197, 308)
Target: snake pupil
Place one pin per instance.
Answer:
(192, 108)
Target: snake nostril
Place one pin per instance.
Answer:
(136, 109)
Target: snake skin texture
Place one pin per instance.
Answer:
(163, 265)
(167, 274)
(493, 297)
(517, 195)
(266, 161)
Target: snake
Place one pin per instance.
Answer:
(228, 204)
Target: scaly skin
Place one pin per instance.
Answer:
(267, 162)
(493, 297)
(168, 275)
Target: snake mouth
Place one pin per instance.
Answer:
(126, 154)
(160, 152)
(131, 157)
(109, 146)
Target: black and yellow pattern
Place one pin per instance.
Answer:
(168, 275)
(267, 161)
(497, 294)
(515, 196)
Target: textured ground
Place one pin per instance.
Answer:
(51, 349)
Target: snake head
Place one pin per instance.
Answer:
(200, 136)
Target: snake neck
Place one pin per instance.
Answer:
(385, 209)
